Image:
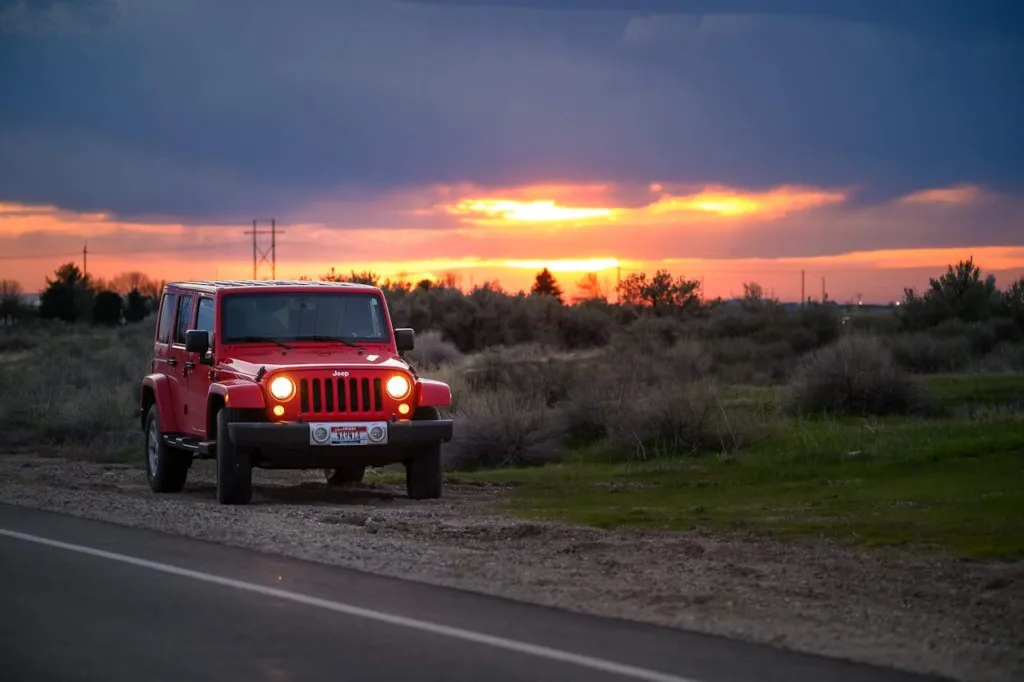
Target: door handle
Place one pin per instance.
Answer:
(189, 364)
(172, 362)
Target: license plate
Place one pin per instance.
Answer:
(341, 434)
(349, 435)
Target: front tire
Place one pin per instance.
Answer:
(234, 467)
(166, 467)
(423, 475)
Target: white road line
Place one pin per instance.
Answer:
(359, 612)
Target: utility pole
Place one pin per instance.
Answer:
(85, 260)
(618, 284)
(260, 255)
(824, 296)
(803, 291)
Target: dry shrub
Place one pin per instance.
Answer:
(924, 353)
(677, 417)
(76, 389)
(1006, 357)
(855, 375)
(524, 371)
(503, 428)
(433, 351)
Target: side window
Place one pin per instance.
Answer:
(184, 319)
(163, 328)
(204, 318)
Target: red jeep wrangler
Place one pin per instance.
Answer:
(286, 375)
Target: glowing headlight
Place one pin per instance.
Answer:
(282, 388)
(398, 387)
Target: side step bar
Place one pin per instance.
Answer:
(204, 449)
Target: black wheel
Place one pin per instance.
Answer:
(234, 468)
(423, 476)
(344, 475)
(166, 467)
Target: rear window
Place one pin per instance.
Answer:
(163, 327)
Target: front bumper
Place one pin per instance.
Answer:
(296, 436)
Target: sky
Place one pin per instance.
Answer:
(867, 142)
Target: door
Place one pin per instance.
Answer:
(197, 375)
(165, 360)
(178, 371)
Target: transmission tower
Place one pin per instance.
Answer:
(261, 255)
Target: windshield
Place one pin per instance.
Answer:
(299, 316)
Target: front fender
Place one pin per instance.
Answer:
(239, 393)
(160, 388)
(433, 393)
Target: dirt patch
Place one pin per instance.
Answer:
(931, 614)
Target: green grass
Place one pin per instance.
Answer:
(951, 485)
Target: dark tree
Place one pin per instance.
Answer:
(136, 308)
(68, 296)
(545, 285)
(107, 308)
(660, 292)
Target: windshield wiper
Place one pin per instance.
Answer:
(260, 339)
(322, 337)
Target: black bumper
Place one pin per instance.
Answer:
(292, 436)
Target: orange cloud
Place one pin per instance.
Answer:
(712, 201)
(960, 194)
(727, 203)
(502, 211)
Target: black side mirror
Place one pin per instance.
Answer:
(405, 339)
(198, 341)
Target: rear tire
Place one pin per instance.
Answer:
(423, 475)
(344, 475)
(234, 467)
(166, 467)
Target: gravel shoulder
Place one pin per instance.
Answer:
(963, 620)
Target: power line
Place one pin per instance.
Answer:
(259, 255)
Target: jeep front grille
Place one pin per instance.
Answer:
(344, 395)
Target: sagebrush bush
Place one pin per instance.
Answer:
(922, 352)
(855, 375)
(76, 387)
(677, 417)
(433, 351)
(525, 370)
(503, 428)
(1006, 357)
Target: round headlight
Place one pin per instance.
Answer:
(282, 388)
(398, 387)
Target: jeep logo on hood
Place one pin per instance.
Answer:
(339, 373)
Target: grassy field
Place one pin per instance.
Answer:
(954, 485)
(843, 444)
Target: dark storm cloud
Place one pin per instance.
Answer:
(210, 111)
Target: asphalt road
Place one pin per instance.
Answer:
(86, 600)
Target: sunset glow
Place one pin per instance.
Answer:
(574, 232)
(539, 211)
(723, 202)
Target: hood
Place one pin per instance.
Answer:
(275, 359)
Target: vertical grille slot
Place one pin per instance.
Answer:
(353, 394)
(341, 395)
(378, 397)
(366, 395)
(328, 395)
(304, 395)
(317, 398)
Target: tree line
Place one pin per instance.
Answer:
(661, 304)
